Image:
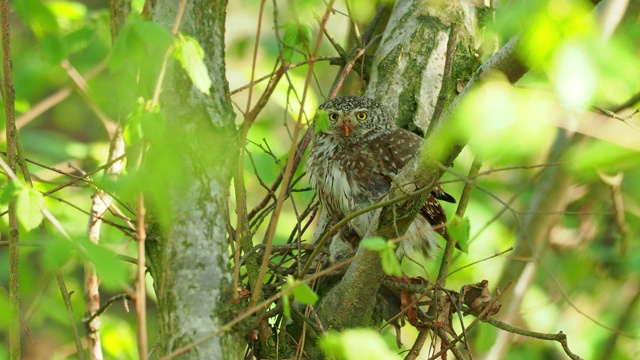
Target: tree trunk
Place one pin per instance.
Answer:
(189, 256)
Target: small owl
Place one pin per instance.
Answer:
(352, 164)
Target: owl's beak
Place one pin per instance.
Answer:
(346, 126)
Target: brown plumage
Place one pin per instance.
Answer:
(352, 165)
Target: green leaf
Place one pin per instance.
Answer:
(137, 42)
(143, 122)
(113, 272)
(459, 230)
(390, 262)
(296, 36)
(57, 251)
(286, 306)
(304, 10)
(374, 243)
(121, 46)
(29, 207)
(54, 50)
(40, 18)
(304, 294)
(301, 291)
(322, 123)
(10, 191)
(190, 54)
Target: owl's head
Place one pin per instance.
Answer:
(354, 114)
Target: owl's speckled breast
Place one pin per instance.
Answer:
(333, 155)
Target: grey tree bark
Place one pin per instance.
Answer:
(189, 257)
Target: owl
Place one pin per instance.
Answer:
(352, 165)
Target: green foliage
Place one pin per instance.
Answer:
(300, 291)
(58, 251)
(144, 123)
(29, 206)
(362, 10)
(390, 262)
(38, 16)
(375, 243)
(190, 55)
(459, 230)
(388, 258)
(137, 40)
(321, 122)
(506, 114)
(589, 158)
(29, 203)
(355, 344)
(297, 37)
(119, 339)
(304, 10)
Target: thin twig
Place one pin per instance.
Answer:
(66, 297)
(559, 337)
(104, 307)
(479, 317)
(282, 68)
(8, 96)
(140, 290)
(290, 161)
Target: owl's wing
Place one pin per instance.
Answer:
(401, 147)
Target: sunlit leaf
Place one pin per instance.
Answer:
(322, 122)
(118, 337)
(362, 10)
(574, 76)
(29, 207)
(286, 306)
(459, 230)
(80, 39)
(143, 122)
(504, 123)
(190, 55)
(297, 36)
(112, 271)
(375, 243)
(301, 291)
(390, 262)
(56, 252)
(121, 46)
(53, 49)
(304, 10)
(10, 191)
(136, 42)
(546, 25)
(593, 156)
(356, 344)
(67, 12)
(39, 17)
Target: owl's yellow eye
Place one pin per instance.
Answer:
(333, 116)
(361, 115)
